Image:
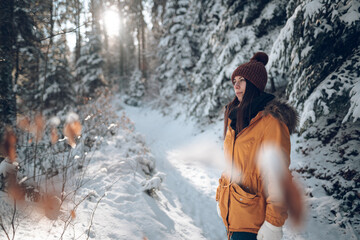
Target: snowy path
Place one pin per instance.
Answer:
(190, 184)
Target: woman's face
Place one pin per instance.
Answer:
(239, 87)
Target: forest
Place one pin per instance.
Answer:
(77, 76)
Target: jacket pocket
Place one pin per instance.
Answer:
(246, 210)
(242, 196)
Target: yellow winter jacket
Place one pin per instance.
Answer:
(247, 201)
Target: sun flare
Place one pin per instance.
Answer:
(112, 22)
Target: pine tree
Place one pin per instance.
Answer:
(157, 17)
(55, 89)
(136, 90)
(175, 50)
(59, 91)
(19, 54)
(89, 67)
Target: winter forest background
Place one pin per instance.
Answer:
(71, 71)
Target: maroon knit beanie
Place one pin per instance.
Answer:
(254, 71)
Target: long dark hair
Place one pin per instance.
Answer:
(244, 111)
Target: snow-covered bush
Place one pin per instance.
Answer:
(154, 183)
(43, 146)
(136, 89)
(73, 180)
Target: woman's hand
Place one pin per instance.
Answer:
(269, 232)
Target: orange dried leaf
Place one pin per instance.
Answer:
(76, 126)
(24, 124)
(70, 135)
(39, 126)
(9, 144)
(51, 205)
(54, 135)
(73, 215)
(16, 192)
(72, 130)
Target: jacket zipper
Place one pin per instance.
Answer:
(231, 175)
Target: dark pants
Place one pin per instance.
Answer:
(243, 236)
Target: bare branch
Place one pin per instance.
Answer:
(13, 219)
(3, 228)
(68, 220)
(66, 31)
(93, 213)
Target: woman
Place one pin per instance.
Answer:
(247, 203)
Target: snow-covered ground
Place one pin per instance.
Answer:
(188, 163)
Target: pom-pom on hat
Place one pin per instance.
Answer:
(254, 71)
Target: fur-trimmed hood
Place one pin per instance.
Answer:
(283, 112)
(269, 105)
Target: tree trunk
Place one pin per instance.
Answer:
(141, 38)
(51, 11)
(139, 44)
(95, 16)
(121, 42)
(78, 34)
(104, 31)
(143, 49)
(7, 41)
